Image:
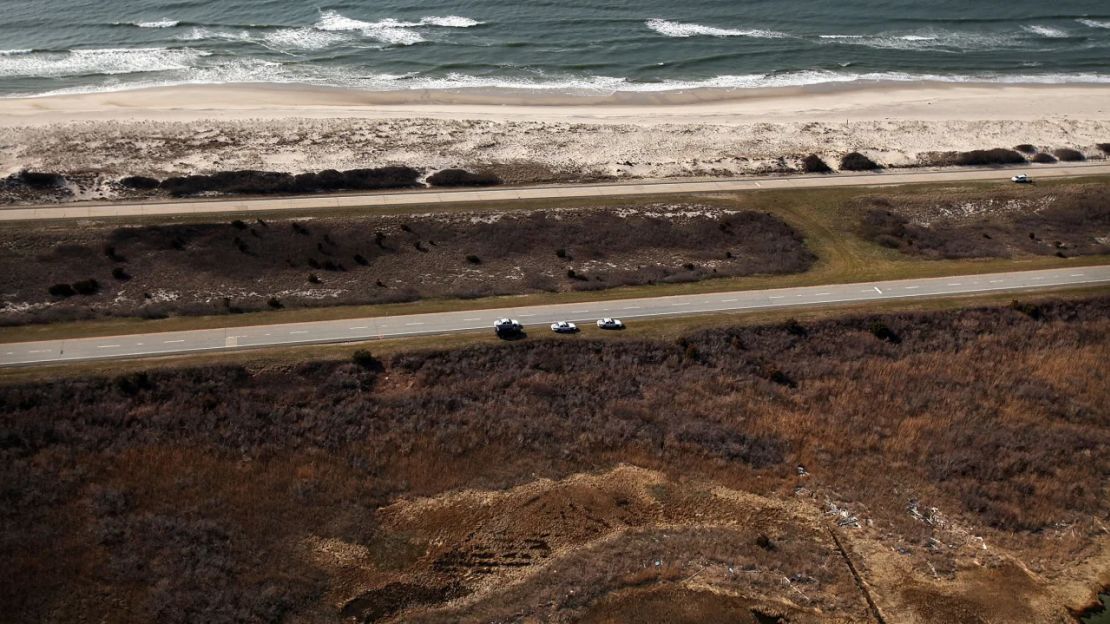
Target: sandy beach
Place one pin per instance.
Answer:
(533, 137)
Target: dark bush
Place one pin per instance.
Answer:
(814, 164)
(461, 177)
(313, 278)
(120, 274)
(472, 259)
(1026, 148)
(275, 303)
(365, 359)
(113, 254)
(86, 287)
(41, 179)
(794, 328)
(1031, 310)
(270, 182)
(361, 259)
(139, 183)
(238, 224)
(62, 290)
(882, 332)
(1105, 147)
(857, 162)
(561, 253)
(1044, 158)
(997, 156)
(1067, 154)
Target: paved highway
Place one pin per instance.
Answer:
(535, 318)
(332, 202)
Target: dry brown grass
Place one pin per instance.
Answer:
(130, 498)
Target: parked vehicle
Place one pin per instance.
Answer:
(507, 328)
(610, 323)
(1021, 178)
(563, 327)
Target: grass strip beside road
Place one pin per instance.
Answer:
(822, 215)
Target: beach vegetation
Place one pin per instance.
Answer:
(814, 164)
(856, 161)
(1067, 154)
(461, 177)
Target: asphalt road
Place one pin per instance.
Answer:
(536, 319)
(89, 210)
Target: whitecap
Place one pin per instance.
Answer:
(1094, 23)
(389, 31)
(162, 23)
(1045, 31)
(681, 30)
(303, 38)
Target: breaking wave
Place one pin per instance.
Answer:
(678, 29)
(389, 31)
(108, 61)
(1094, 23)
(162, 23)
(1045, 31)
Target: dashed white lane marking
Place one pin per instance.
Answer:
(775, 296)
(473, 319)
(681, 304)
(912, 287)
(727, 300)
(171, 341)
(995, 281)
(631, 308)
(818, 294)
(298, 332)
(956, 284)
(38, 351)
(358, 327)
(107, 346)
(525, 315)
(1076, 275)
(1036, 278)
(412, 324)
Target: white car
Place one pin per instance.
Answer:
(610, 323)
(564, 327)
(507, 327)
(1021, 178)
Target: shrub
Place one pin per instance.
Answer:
(139, 183)
(365, 359)
(561, 253)
(1067, 154)
(41, 179)
(238, 224)
(794, 328)
(275, 303)
(299, 229)
(472, 259)
(120, 274)
(86, 287)
(361, 259)
(857, 162)
(1105, 147)
(461, 177)
(313, 278)
(1026, 148)
(1031, 310)
(814, 164)
(62, 290)
(1044, 158)
(997, 156)
(113, 255)
(882, 332)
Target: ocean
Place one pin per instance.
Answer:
(573, 46)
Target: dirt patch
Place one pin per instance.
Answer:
(1063, 222)
(155, 271)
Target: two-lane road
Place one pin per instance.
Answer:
(623, 189)
(535, 318)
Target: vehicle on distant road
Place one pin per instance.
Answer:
(507, 328)
(610, 323)
(563, 327)
(1021, 178)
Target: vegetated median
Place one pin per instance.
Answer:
(569, 479)
(1063, 222)
(219, 268)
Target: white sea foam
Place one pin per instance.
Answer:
(201, 34)
(162, 23)
(15, 52)
(389, 31)
(110, 61)
(1094, 23)
(1045, 31)
(303, 39)
(928, 41)
(256, 71)
(679, 29)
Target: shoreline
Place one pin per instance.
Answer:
(820, 102)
